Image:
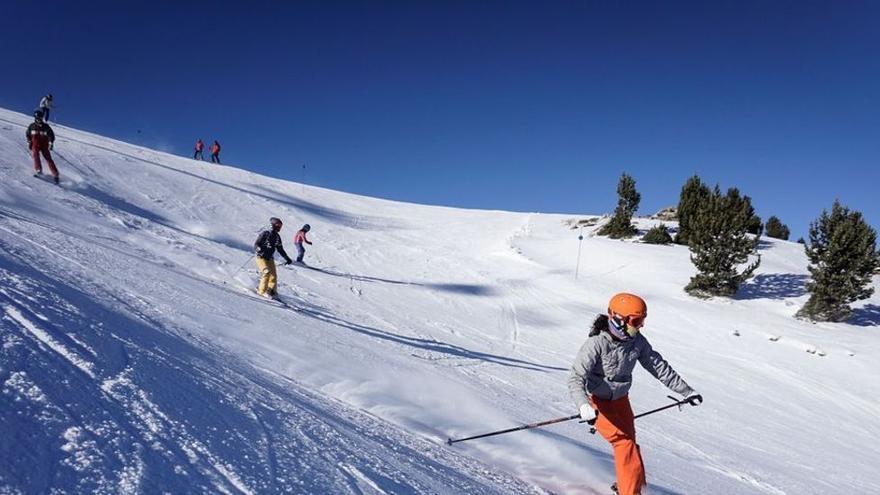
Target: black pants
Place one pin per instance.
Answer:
(45, 113)
(198, 155)
(215, 158)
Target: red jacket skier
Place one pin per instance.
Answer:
(215, 152)
(299, 239)
(200, 146)
(40, 139)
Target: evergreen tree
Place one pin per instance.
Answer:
(755, 227)
(628, 199)
(657, 235)
(843, 258)
(693, 194)
(719, 244)
(776, 229)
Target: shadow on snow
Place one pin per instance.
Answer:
(468, 289)
(774, 286)
(426, 344)
(866, 316)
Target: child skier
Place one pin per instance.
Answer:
(267, 242)
(45, 106)
(200, 147)
(601, 377)
(215, 152)
(299, 239)
(41, 139)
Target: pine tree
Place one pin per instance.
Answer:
(657, 235)
(693, 194)
(719, 244)
(843, 257)
(776, 229)
(755, 227)
(628, 199)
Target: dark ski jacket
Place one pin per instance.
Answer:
(41, 131)
(266, 244)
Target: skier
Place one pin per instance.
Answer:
(267, 242)
(299, 239)
(45, 106)
(601, 377)
(200, 146)
(215, 152)
(41, 139)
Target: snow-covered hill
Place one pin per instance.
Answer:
(134, 360)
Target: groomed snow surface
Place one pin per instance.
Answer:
(134, 360)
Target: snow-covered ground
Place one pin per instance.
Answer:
(133, 360)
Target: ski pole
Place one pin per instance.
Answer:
(241, 267)
(676, 403)
(450, 441)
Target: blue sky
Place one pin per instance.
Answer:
(528, 106)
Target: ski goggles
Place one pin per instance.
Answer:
(622, 322)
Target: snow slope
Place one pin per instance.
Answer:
(134, 360)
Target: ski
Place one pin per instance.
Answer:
(274, 301)
(47, 178)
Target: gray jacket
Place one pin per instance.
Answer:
(603, 367)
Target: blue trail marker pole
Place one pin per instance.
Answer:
(577, 269)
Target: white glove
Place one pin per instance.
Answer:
(587, 412)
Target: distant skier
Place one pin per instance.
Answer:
(601, 377)
(45, 106)
(215, 152)
(199, 149)
(41, 139)
(267, 242)
(299, 239)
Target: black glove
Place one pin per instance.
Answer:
(695, 400)
(52, 145)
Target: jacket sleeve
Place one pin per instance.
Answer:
(261, 239)
(280, 247)
(654, 363)
(580, 371)
(51, 133)
(282, 252)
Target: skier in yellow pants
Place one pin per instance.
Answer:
(268, 241)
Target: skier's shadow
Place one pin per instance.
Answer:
(425, 344)
(469, 289)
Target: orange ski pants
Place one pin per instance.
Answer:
(616, 424)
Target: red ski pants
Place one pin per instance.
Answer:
(38, 146)
(616, 424)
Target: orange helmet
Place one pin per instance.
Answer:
(627, 309)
